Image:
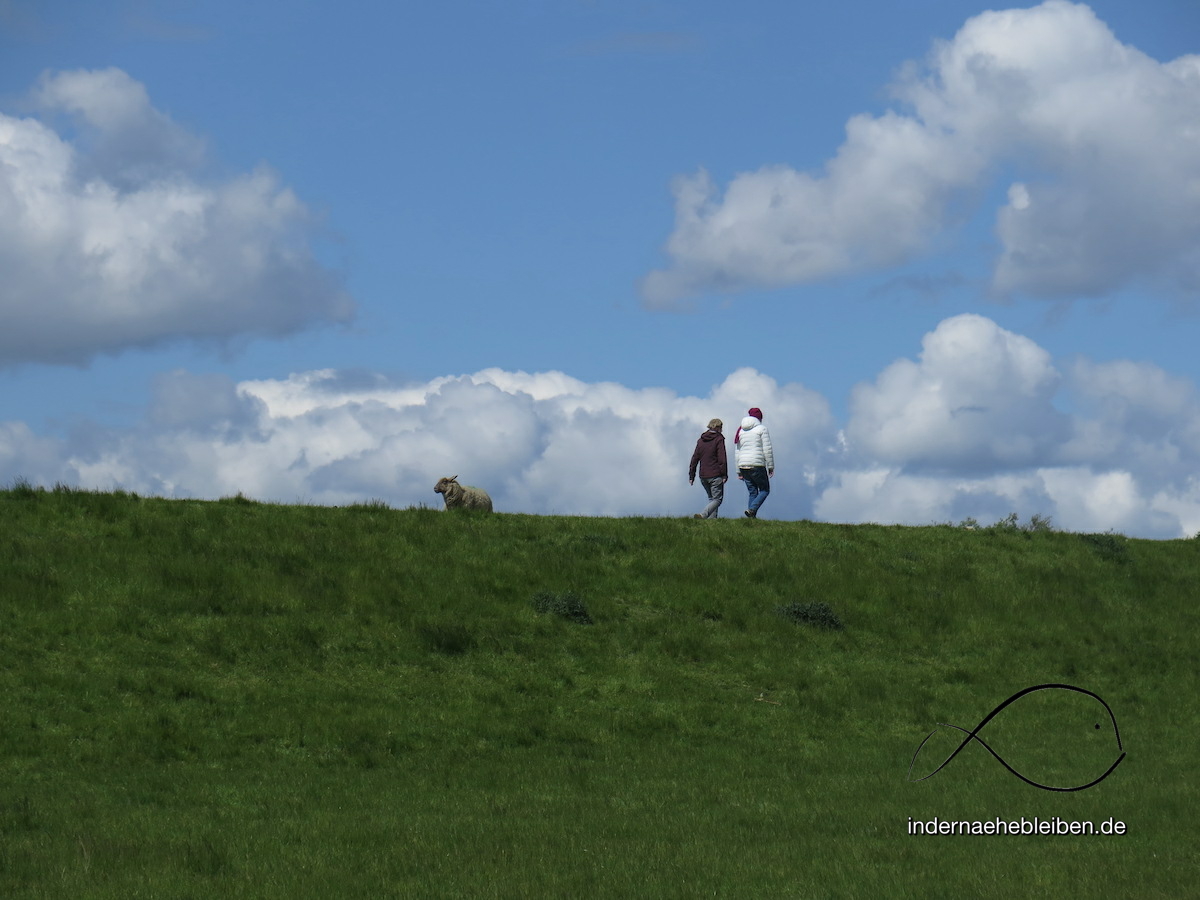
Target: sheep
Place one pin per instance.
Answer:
(460, 496)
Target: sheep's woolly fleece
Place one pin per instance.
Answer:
(462, 496)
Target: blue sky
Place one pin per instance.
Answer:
(321, 252)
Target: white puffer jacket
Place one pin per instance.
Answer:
(754, 446)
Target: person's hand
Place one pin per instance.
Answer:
(725, 479)
(770, 473)
(691, 481)
(741, 477)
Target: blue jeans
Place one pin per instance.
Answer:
(758, 483)
(715, 488)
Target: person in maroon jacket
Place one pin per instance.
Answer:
(709, 455)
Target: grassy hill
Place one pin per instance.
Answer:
(205, 699)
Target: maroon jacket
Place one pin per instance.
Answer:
(710, 454)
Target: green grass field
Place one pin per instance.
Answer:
(234, 699)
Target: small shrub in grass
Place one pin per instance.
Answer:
(1038, 522)
(24, 490)
(1108, 546)
(1012, 524)
(206, 858)
(566, 606)
(18, 815)
(817, 614)
(446, 639)
(1009, 523)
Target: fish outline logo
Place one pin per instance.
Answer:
(973, 735)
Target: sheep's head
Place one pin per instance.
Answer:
(443, 484)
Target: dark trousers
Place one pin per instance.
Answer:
(758, 483)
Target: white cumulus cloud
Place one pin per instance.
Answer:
(979, 398)
(538, 442)
(1106, 138)
(974, 427)
(980, 423)
(111, 237)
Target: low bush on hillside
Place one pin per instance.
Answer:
(1012, 523)
(817, 614)
(1109, 546)
(448, 639)
(566, 606)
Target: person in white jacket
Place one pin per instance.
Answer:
(755, 459)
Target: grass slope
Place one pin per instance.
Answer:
(228, 698)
